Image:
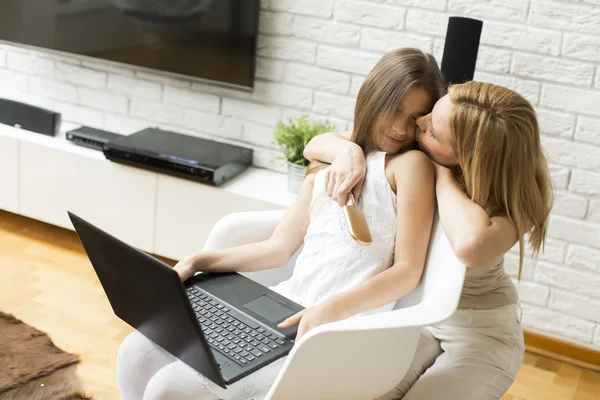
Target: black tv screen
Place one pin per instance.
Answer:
(214, 40)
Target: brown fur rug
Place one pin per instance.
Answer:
(32, 367)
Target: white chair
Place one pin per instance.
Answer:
(358, 358)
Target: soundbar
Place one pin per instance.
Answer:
(28, 117)
(183, 156)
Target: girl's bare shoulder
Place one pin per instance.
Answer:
(410, 159)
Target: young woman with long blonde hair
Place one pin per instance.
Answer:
(492, 188)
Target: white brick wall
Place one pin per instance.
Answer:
(313, 57)
(318, 8)
(585, 182)
(570, 205)
(594, 213)
(317, 78)
(332, 32)
(103, 100)
(559, 324)
(583, 257)
(80, 76)
(185, 98)
(363, 13)
(570, 99)
(572, 153)
(534, 293)
(352, 61)
(565, 16)
(134, 87)
(553, 69)
(511, 10)
(53, 89)
(555, 251)
(14, 81)
(588, 130)
(530, 89)
(31, 64)
(577, 281)
(555, 124)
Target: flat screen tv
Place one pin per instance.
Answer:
(213, 40)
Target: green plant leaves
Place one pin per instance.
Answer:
(294, 135)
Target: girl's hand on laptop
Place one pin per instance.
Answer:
(312, 317)
(346, 174)
(186, 268)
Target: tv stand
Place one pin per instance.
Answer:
(42, 177)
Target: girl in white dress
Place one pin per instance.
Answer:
(334, 277)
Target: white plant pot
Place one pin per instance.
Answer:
(296, 175)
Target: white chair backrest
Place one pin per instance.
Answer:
(439, 254)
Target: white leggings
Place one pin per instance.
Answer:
(474, 355)
(142, 368)
(146, 371)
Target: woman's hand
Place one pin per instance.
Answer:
(187, 267)
(312, 317)
(346, 174)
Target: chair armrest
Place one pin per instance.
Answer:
(422, 314)
(434, 309)
(379, 348)
(240, 228)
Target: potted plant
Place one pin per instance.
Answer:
(293, 137)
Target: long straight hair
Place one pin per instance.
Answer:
(391, 78)
(381, 93)
(496, 136)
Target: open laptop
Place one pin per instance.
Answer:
(222, 325)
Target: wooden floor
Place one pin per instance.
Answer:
(47, 281)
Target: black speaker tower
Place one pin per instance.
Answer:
(460, 49)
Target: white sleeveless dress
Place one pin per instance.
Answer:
(331, 261)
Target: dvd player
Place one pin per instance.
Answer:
(180, 155)
(91, 138)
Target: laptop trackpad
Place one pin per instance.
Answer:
(269, 308)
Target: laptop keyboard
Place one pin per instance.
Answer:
(234, 335)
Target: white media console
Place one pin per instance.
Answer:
(42, 177)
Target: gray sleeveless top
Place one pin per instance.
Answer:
(488, 286)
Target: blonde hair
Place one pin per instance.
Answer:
(391, 78)
(496, 136)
